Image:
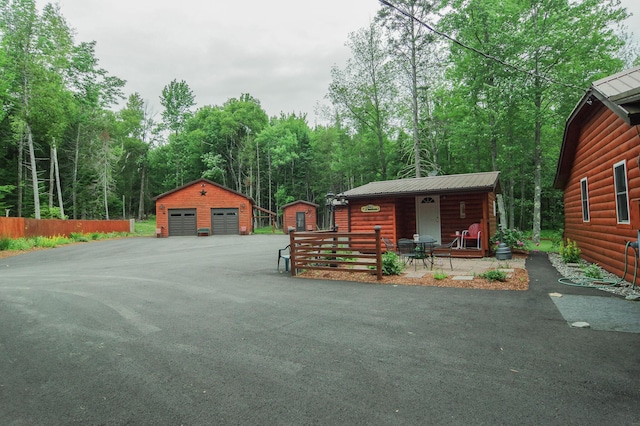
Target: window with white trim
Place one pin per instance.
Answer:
(584, 194)
(622, 194)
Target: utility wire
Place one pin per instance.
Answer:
(477, 51)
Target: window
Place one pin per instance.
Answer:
(622, 196)
(584, 193)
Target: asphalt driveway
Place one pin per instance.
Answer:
(199, 331)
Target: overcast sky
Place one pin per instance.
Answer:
(279, 51)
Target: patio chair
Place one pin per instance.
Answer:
(472, 234)
(444, 250)
(390, 246)
(284, 253)
(408, 252)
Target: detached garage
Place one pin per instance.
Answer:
(203, 207)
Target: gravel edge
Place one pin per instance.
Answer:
(624, 288)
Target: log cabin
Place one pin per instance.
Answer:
(440, 206)
(598, 171)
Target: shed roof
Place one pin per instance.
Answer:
(300, 202)
(470, 182)
(620, 93)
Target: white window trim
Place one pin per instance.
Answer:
(622, 163)
(585, 197)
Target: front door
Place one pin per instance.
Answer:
(428, 220)
(301, 222)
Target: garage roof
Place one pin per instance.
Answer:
(469, 182)
(207, 181)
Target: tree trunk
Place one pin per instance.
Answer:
(57, 178)
(141, 201)
(34, 173)
(20, 166)
(74, 184)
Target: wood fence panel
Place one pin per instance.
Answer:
(18, 227)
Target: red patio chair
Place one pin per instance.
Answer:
(472, 234)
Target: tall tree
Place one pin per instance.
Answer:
(364, 91)
(416, 51)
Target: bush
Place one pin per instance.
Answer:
(5, 243)
(592, 271)
(391, 264)
(440, 275)
(570, 252)
(22, 244)
(514, 238)
(494, 275)
(79, 237)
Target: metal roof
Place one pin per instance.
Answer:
(470, 182)
(620, 93)
(621, 88)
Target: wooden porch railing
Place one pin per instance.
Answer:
(328, 250)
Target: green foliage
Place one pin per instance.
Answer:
(51, 213)
(5, 243)
(78, 237)
(570, 252)
(22, 244)
(592, 271)
(391, 264)
(440, 275)
(514, 238)
(494, 275)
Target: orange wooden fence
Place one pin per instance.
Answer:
(20, 227)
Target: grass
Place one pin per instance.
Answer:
(145, 228)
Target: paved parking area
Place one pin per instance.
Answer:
(202, 331)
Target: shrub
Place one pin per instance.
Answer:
(592, 271)
(391, 264)
(22, 244)
(440, 275)
(79, 237)
(494, 275)
(570, 252)
(514, 238)
(5, 243)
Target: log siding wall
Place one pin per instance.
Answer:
(604, 140)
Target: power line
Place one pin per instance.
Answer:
(477, 51)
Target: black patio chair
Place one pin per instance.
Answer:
(444, 250)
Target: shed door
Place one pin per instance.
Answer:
(301, 222)
(182, 222)
(225, 222)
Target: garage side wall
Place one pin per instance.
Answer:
(203, 199)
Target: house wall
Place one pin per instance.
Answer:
(397, 216)
(365, 221)
(190, 197)
(289, 216)
(604, 140)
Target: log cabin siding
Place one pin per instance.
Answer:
(365, 221)
(604, 140)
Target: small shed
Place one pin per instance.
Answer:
(300, 215)
(440, 206)
(203, 207)
(598, 171)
